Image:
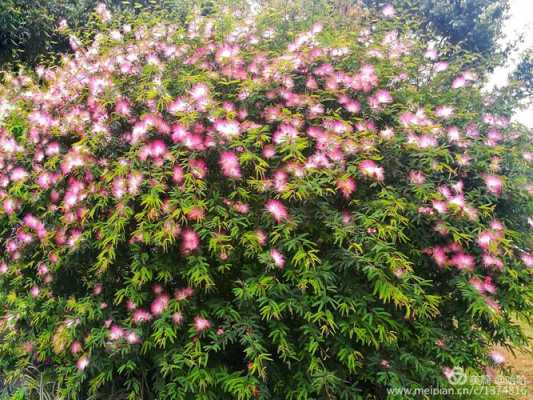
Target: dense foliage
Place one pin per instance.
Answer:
(474, 25)
(258, 208)
(29, 31)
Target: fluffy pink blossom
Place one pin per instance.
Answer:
(494, 184)
(159, 304)
(190, 241)
(278, 258)
(229, 129)
(371, 169)
(346, 186)
(82, 363)
(527, 259)
(141, 315)
(75, 347)
(116, 332)
(388, 10)
(277, 209)
(177, 318)
(417, 177)
(201, 324)
(497, 357)
(463, 261)
(132, 338)
(229, 163)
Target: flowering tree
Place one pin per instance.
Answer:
(257, 208)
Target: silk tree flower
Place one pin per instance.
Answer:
(346, 186)
(527, 259)
(75, 347)
(261, 237)
(10, 206)
(497, 357)
(183, 294)
(485, 238)
(229, 163)
(278, 258)
(477, 284)
(370, 169)
(140, 315)
(491, 261)
(277, 210)
(444, 111)
(417, 177)
(198, 168)
(201, 324)
(116, 332)
(494, 184)
(82, 363)
(159, 304)
(177, 318)
(228, 129)
(190, 241)
(132, 338)
(463, 261)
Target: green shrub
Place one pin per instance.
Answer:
(262, 207)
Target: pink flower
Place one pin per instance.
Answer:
(441, 66)
(440, 206)
(488, 285)
(82, 363)
(497, 357)
(122, 107)
(199, 91)
(278, 258)
(184, 293)
(383, 97)
(201, 324)
(477, 284)
(448, 372)
(75, 347)
(444, 112)
(141, 315)
(261, 237)
(484, 239)
(116, 332)
(458, 82)
(463, 261)
(269, 151)
(417, 177)
(347, 186)
(159, 304)
(158, 148)
(388, 11)
(198, 168)
(229, 129)
(277, 209)
(229, 163)
(177, 174)
(370, 168)
(10, 206)
(177, 318)
(527, 259)
(494, 184)
(132, 338)
(34, 291)
(190, 241)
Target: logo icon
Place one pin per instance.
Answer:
(458, 376)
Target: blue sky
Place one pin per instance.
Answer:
(519, 22)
